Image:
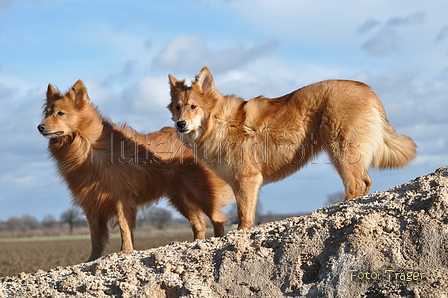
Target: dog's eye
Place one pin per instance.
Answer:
(193, 107)
(178, 108)
(61, 113)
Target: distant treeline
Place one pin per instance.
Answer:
(72, 221)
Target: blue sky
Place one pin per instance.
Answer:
(124, 50)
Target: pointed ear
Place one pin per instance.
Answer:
(79, 85)
(205, 80)
(79, 94)
(173, 81)
(52, 94)
(175, 84)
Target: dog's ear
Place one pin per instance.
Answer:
(176, 84)
(78, 94)
(52, 94)
(205, 80)
(173, 81)
(79, 85)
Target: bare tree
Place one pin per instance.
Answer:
(49, 221)
(72, 216)
(15, 224)
(159, 218)
(31, 222)
(23, 223)
(335, 198)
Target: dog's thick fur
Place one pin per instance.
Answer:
(251, 143)
(111, 169)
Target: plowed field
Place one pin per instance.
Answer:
(29, 255)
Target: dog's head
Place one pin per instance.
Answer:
(62, 112)
(191, 106)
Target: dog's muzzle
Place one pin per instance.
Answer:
(180, 125)
(42, 128)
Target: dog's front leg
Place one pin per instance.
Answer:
(127, 215)
(99, 235)
(246, 192)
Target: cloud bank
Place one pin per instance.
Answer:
(186, 53)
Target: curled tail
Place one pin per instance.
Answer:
(395, 151)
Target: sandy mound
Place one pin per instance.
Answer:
(388, 244)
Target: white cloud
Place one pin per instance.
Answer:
(368, 25)
(382, 43)
(191, 52)
(125, 73)
(410, 19)
(143, 104)
(271, 77)
(148, 94)
(386, 40)
(443, 34)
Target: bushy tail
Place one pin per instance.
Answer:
(395, 151)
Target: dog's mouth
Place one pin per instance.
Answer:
(53, 134)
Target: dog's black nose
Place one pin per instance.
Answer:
(181, 124)
(41, 127)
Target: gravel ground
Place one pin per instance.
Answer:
(388, 244)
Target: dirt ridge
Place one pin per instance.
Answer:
(388, 244)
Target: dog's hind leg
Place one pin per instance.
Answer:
(99, 235)
(197, 223)
(216, 217)
(367, 181)
(202, 194)
(191, 212)
(210, 203)
(218, 220)
(351, 178)
(127, 215)
(213, 212)
(352, 162)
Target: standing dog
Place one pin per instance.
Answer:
(111, 170)
(263, 140)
